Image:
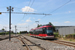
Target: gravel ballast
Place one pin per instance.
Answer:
(49, 45)
(14, 44)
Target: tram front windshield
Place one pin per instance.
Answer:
(49, 30)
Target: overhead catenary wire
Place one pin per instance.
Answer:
(32, 3)
(24, 14)
(27, 13)
(60, 6)
(3, 20)
(22, 18)
(29, 3)
(57, 8)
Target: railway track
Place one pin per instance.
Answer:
(30, 45)
(7, 37)
(71, 44)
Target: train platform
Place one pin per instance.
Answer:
(14, 44)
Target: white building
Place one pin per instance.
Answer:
(66, 30)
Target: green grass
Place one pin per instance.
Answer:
(56, 34)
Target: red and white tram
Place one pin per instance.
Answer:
(45, 32)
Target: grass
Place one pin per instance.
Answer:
(67, 39)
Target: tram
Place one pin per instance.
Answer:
(45, 32)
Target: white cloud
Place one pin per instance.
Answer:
(28, 20)
(67, 22)
(69, 11)
(22, 20)
(4, 14)
(39, 19)
(27, 9)
(21, 24)
(34, 24)
(33, 18)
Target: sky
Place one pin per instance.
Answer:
(62, 13)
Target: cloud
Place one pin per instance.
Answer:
(22, 20)
(4, 14)
(67, 22)
(27, 9)
(69, 11)
(39, 19)
(33, 18)
(28, 20)
(34, 24)
(21, 24)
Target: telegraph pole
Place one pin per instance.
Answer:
(15, 29)
(9, 9)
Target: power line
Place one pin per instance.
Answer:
(28, 9)
(21, 19)
(3, 21)
(2, 7)
(61, 6)
(32, 3)
(43, 17)
(27, 13)
(24, 14)
(29, 3)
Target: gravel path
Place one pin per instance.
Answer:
(49, 45)
(14, 44)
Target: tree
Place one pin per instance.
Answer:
(23, 32)
(50, 24)
(3, 29)
(39, 25)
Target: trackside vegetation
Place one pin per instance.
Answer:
(69, 37)
(5, 33)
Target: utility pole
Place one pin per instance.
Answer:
(5, 29)
(15, 30)
(9, 9)
(37, 22)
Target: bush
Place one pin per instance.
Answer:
(56, 34)
(5, 33)
(2, 33)
(70, 36)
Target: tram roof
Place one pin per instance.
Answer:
(44, 26)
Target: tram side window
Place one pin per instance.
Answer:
(40, 30)
(44, 30)
(33, 31)
(36, 32)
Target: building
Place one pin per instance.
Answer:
(66, 30)
(57, 27)
(2, 31)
